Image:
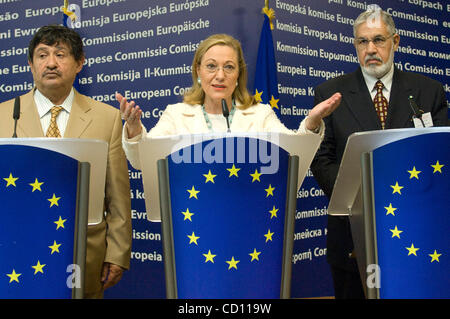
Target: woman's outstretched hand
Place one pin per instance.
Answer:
(131, 114)
(322, 110)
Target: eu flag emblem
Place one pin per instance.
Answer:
(412, 191)
(228, 222)
(38, 195)
(266, 83)
(69, 17)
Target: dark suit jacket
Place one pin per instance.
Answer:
(356, 114)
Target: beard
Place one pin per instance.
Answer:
(378, 71)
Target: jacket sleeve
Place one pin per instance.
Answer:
(164, 127)
(118, 202)
(273, 124)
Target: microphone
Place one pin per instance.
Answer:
(226, 113)
(415, 108)
(16, 114)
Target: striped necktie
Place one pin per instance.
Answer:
(381, 103)
(53, 130)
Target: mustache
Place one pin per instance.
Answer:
(51, 72)
(372, 57)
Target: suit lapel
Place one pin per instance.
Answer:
(193, 119)
(243, 121)
(358, 101)
(29, 124)
(79, 118)
(399, 112)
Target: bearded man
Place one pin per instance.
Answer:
(374, 97)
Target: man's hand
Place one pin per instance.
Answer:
(111, 275)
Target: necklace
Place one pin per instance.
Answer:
(208, 121)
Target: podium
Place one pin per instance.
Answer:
(393, 185)
(227, 203)
(95, 152)
(45, 188)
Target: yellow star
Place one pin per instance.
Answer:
(396, 188)
(36, 185)
(233, 171)
(274, 102)
(255, 254)
(414, 173)
(232, 263)
(193, 238)
(209, 177)
(390, 210)
(273, 212)
(38, 268)
(54, 200)
(11, 180)
(396, 232)
(60, 223)
(13, 276)
(434, 256)
(437, 167)
(269, 190)
(268, 236)
(193, 193)
(187, 214)
(256, 176)
(258, 96)
(54, 247)
(209, 257)
(412, 250)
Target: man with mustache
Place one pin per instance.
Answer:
(374, 97)
(55, 57)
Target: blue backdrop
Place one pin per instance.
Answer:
(144, 50)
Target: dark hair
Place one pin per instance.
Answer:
(54, 34)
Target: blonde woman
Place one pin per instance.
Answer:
(218, 72)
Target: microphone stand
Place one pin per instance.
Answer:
(16, 115)
(416, 111)
(226, 113)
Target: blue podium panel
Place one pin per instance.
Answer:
(228, 220)
(38, 190)
(412, 191)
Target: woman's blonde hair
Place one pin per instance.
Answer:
(196, 95)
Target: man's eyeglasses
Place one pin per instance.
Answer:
(379, 41)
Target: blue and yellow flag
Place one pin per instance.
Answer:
(67, 14)
(412, 191)
(228, 222)
(70, 16)
(38, 195)
(266, 83)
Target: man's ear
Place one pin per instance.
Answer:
(396, 38)
(80, 64)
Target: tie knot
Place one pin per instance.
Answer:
(379, 85)
(55, 110)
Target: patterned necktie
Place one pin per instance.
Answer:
(53, 130)
(381, 103)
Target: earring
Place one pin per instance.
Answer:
(199, 81)
(237, 83)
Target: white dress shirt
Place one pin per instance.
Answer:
(387, 82)
(44, 105)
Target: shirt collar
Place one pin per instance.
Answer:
(44, 105)
(386, 79)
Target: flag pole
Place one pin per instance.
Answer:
(270, 13)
